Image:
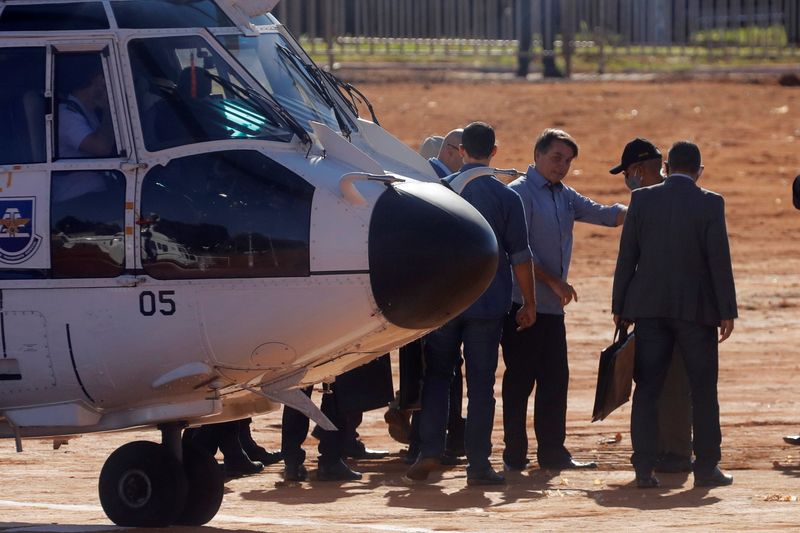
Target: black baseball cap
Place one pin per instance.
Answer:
(796, 192)
(635, 151)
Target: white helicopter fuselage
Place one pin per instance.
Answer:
(209, 330)
(196, 225)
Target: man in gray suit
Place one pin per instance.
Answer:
(675, 281)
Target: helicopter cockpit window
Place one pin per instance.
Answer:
(233, 214)
(54, 17)
(140, 14)
(187, 94)
(22, 105)
(298, 86)
(87, 225)
(84, 120)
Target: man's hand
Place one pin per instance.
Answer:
(621, 323)
(565, 292)
(526, 316)
(725, 329)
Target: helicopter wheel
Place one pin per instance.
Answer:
(142, 484)
(206, 486)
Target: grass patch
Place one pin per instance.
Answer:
(731, 47)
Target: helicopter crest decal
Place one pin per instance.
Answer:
(18, 241)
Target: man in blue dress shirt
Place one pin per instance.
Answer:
(538, 355)
(480, 326)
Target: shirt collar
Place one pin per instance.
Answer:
(540, 182)
(468, 166)
(679, 175)
(436, 161)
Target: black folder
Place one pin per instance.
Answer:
(614, 375)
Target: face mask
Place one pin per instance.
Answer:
(633, 181)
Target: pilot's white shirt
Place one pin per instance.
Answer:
(74, 126)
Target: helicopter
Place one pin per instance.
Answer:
(195, 224)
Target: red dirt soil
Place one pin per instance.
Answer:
(750, 138)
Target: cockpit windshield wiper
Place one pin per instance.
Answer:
(267, 103)
(350, 89)
(316, 76)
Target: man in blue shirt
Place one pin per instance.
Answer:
(538, 355)
(449, 158)
(480, 326)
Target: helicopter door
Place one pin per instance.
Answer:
(89, 191)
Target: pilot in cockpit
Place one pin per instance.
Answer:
(85, 127)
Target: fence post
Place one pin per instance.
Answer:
(525, 37)
(568, 34)
(600, 32)
(327, 13)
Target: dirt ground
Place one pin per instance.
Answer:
(750, 138)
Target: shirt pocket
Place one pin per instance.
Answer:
(568, 222)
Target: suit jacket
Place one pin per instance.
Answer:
(674, 259)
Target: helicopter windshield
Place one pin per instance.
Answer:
(268, 57)
(188, 94)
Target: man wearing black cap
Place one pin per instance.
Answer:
(674, 279)
(641, 165)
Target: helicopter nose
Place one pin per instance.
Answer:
(431, 254)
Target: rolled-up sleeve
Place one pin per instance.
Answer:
(587, 210)
(516, 231)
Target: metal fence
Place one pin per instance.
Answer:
(496, 33)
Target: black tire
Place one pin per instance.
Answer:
(142, 485)
(206, 486)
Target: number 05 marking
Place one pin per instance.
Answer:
(165, 304)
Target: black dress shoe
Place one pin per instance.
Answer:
(240, 468)
(487, 477)
(357, 450)
(263, 456)
(450, 459)
(717, 478)
(337, 471)
(295, 472)
(647, 482)
(515, 466)
(569, 464)
(792, 439)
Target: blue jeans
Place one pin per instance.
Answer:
(481, 338)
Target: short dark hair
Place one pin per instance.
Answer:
(684, 156)
(548, 136)
(478, 140)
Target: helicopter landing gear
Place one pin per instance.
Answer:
(144, 484)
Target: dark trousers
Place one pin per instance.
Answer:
(455, 423)
(294, 430)
(535, 356)
(655, 340)
(223, 436)
(675, 412)
(481, 338)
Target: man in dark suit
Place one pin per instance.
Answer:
(641, 165)
(675, 281)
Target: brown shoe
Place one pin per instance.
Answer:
(399, 426)
(423, 466)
